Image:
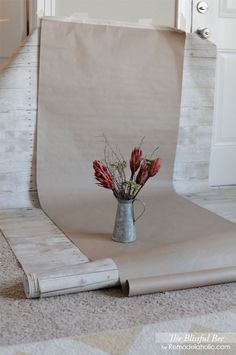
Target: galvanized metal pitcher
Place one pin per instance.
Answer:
(124, 228)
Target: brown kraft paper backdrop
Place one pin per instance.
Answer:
(126, 83)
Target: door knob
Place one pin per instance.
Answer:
(204, 32)
(202, 7)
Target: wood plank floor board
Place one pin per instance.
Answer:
(37, 242)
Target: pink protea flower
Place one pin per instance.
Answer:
(154, 167)
(143, 174)
(102, 175)
(135, 160)
(112, 174)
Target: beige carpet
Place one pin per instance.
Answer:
(207, 334)
(26, 321)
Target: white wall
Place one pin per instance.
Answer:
(161, 11)
(13, 31)
(40, 7)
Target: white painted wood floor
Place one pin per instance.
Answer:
(18, 109)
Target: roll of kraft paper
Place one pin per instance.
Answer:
(125, 83)
(134, 287)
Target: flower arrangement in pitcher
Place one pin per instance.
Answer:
(112, 172)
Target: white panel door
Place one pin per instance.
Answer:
(220, 19)
(162, 12)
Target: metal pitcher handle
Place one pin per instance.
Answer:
(144, 208)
